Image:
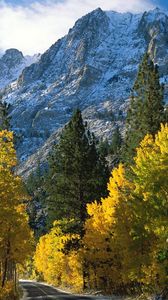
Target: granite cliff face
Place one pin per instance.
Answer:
(93, 67)
(12, 64)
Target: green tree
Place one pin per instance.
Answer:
(4, 118)
(77, 175)
(146, 110)
(36, 207)
(103, 147)
(126, 236)
(116, 141)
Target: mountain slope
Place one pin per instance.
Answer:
(12, 64)
(93, 67)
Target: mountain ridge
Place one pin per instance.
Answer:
(93, 67)
(12, 63)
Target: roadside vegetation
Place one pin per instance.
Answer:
(96, 228)
(114, 239)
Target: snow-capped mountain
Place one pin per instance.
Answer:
(12, 63)
(93, 67)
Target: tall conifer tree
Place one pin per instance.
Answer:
(146, 110)
(116, 142)
(77, 175)
(36, 207)
(4, 118)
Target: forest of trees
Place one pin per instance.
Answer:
(125, 239)
(93, 230)
(15, 233)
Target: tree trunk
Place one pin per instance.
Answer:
(85, 275)
(5, 268)
(4, 274)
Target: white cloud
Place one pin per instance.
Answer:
(34, 28)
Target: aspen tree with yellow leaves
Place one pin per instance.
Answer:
(15, 235)
(126, 236)
(151, 189)
(125, 242)
(55, 264)
(101, 244)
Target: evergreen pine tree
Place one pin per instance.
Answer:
(146, 110)
(115, 148)
(36, 207)
(166, 113)
(104, 147)
(77, 175)
(4, 118)
(116, 142)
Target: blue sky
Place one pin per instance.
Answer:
(32, 26)
(163, 3)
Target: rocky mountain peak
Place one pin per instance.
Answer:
(154, 28)
(93, 67)
(12, 58)
(84, 36)
(155, 15)
(11, 65)
(154, 18)
(88, 27)
(89, 21)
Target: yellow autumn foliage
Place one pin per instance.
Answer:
(100, 243)
(8, 292)
(126, 238)
(125, 245)
(151, 186)
(52, 261)
(15, 234)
